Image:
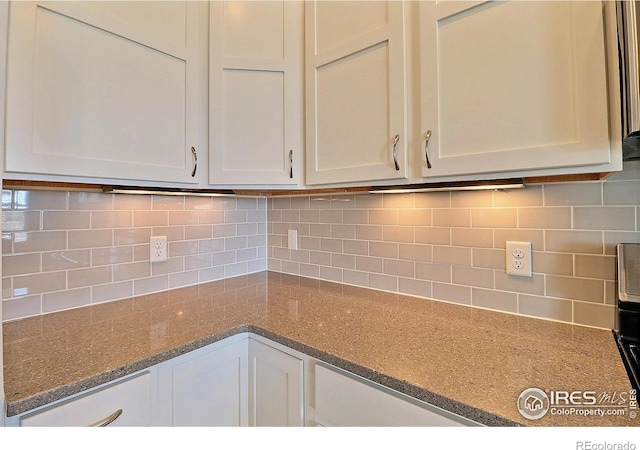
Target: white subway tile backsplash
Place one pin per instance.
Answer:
(383, 249)
(84, 201)
(433, 272)
(354, 277)
(111, 291)
(21, 264)
(470, 276)
(343, 261)
(622, 193)
(573, 194)
(21, 307)
(38, 283)
(525, 285)
(71, 298)
(412, 286)
(67, 249)
(552, 263)
(90, 238)
(472, 237)
(152, 284)
(494, 217)
(89, 277)
(596, 315)
(621, 218)
(532, 196)
(167, 202)
(545, 307)
(491, 299)
(573, 241)
(452, 217)
(65, 260)
(545, 218)
(452, 293)
(16, 221)
(111, 219)
(583, 289)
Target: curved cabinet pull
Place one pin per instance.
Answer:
(290, 163)
(107, 420)
(195, 161)
(426, 148)
(395, 151)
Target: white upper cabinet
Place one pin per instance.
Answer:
(515, 86)
(256, 93)
(104, 90)
(355, 91)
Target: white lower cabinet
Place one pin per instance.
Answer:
(345, 399)
(244, 380)
(206, 387)
(124, 403)
(276, 387)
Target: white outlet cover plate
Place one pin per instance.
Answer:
(518, 258)
(292, 240)
(158, 249)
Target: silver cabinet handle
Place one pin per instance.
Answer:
(290, 163)
(107, 420)
(395, 151)
(195, 161)
(426, 148)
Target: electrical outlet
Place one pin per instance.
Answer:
(158, 249)
(518, 256)
(292, 241)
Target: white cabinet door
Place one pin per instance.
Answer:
(276, 387)
(345, 399)
(256, 94)
(103, 89)
(124, 403)
(208, 387)
(355, 91)
(516, 85)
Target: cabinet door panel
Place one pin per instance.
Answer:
(513, 86)
(210, 389)
(93, 94)
(276, 387)
(355, 65)
(255, 93)
(343, 399)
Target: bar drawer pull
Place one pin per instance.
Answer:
(395, 151)
(107, 420)
(290, 163)
(426, 148)
(195, 161)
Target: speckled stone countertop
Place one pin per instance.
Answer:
(470, 361)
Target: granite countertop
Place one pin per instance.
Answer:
(470, 361)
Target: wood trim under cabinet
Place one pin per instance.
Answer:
(64, 186)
